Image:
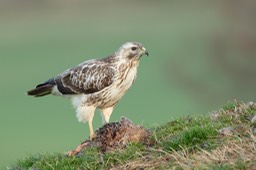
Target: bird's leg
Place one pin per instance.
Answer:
(92, 134)
(85, 114)
(106, 113)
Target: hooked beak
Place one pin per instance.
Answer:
(145, 51)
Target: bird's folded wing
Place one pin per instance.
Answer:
(86, 78)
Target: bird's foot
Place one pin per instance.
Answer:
(92, 136)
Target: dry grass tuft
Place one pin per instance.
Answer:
(235, 153)
(243, 150)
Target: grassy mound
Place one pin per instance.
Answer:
(225, 139)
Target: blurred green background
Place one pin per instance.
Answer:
(202, 54)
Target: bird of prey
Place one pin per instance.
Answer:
(96, 83)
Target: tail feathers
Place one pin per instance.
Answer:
(43, 88)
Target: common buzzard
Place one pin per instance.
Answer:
(96, 83)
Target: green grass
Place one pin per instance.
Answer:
(192, 142)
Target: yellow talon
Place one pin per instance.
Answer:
(92, 136)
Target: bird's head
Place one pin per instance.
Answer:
(131, 51)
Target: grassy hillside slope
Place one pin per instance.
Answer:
(225, 139)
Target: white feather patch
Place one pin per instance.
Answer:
(55, 91)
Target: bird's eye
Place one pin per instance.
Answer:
(134, 48)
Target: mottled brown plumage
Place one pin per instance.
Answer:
(97, 83)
